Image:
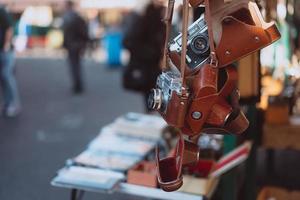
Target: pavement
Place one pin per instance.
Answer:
(56, 125)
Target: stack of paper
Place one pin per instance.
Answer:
(88, 178)
(122, 144)
(140, 125)
(111, 141)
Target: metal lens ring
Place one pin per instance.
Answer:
(155, 99)
(200, 44)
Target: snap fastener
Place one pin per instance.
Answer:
(196, 115)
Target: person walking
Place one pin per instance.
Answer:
(75, 31)
(12, 106)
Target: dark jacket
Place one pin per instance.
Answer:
(145, 40)
(75, 31)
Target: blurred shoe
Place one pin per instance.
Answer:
(2, 110)
(12, 111)
(78, 90)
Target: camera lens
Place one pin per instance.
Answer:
(155, 99)
(200, 44)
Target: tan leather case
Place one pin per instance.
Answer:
(242, 15)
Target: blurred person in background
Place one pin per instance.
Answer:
(75, 32)
(7, 66)
(144, 40)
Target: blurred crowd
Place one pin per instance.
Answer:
(138, 30)
(82, 32)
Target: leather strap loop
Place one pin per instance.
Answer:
(169, 170)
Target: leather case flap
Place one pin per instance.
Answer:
(219, 113)
(203, 107)
(233, 47)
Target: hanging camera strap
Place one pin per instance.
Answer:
(169, 170)
(208, 19)
(185, 21)
(168, 22)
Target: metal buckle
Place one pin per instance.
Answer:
(213, 60)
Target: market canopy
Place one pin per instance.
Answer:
(21, 5)
(112, 4)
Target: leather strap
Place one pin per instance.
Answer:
(168, 22)
(185, 19)
(208, 19)
(170, 168)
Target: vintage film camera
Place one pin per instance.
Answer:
(198, 44)
(168, 97)
(167, 83)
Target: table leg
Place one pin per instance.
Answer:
(229, 180)
(74, 194)
(80, 195)
(253, 133)
(270, 163)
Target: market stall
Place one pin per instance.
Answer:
(120, 160)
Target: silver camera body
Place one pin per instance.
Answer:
(197, 44)
(171, 81)
(167, 83)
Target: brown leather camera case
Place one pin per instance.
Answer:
(210, 103)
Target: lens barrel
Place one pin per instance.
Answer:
(200, 44)
(155, 99)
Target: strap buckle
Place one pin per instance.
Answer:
(213, 59)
